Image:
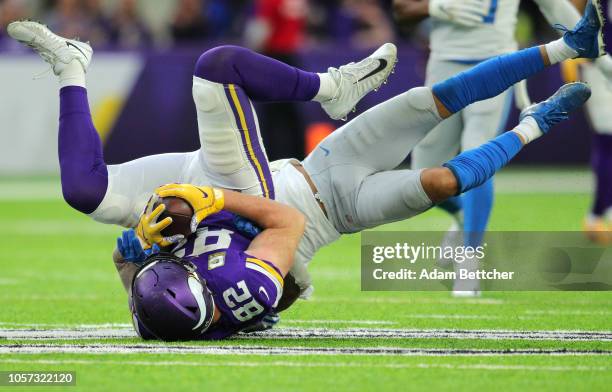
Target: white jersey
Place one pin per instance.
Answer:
(453, 42)
(292, 189)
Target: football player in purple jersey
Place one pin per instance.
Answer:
(219, 280)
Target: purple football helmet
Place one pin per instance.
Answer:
(169, 301)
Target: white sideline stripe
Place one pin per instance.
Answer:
(458, 316)
(297, 351)
(126, 331)
(256, 364)
(364, 322)
(570, 312)
(67, 326)
(67, 334)
(445, 301)
(357, 333)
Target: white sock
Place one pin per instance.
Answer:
(528, 129)
(327, 88)
(72, 75)
(559, 51)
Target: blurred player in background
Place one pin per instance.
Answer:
(598, 223)
(463, 34)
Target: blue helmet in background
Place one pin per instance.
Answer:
(169, 301)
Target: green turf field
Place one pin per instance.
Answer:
(63, 308)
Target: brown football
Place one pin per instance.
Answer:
(181, 212)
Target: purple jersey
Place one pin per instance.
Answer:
(244, 288)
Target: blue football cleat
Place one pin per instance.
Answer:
(558, 107)
(587, 36)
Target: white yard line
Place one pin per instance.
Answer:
(291, 351)
(410, 300)
(570, 312)
(256, 364)
(357, 322)
(113, 331)
(43, 326)
(455, 316)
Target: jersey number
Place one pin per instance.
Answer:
(203, 245)
(243, 305)
(490, 17)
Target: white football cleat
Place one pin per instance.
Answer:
(55, 50)
(466, 288)
(355, 80)
(467, 293)
(453, 238)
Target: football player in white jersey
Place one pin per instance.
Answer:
(347, 184)
(463, 34)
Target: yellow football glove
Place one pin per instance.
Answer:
(204, 200)
(149, 229)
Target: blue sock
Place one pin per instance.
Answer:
(477, 206)
(474, 167)
(488, 79)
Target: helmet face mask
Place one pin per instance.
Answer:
(169, 300)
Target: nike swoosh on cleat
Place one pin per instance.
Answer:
(382, 64)
(76, 47)
(325, 150)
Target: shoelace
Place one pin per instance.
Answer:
(564, 29)
(346, 70)
(335, 71)
(46, 55)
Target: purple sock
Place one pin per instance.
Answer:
(262, 78)
(602, 166)
(83, 171)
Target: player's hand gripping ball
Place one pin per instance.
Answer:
(150, 227)
(204, 200)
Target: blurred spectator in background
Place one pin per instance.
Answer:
(11, 10)
(278, 26)
(127, 29)
(278, 30)
(189, 22)
(67, 19)
(98, 24)
(226, 18)
(365, 23)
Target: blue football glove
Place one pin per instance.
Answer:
(246, 227)
(131, 249)
(267, 322)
